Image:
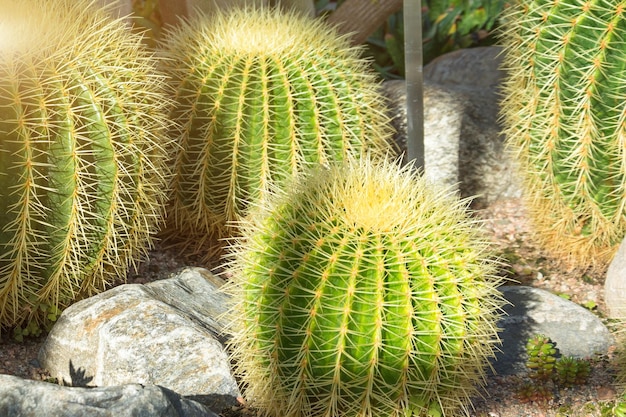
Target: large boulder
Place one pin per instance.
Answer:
(165, 333)
(463, 144)
(443, 117)
(615, 284)
(532, 311)
(26, 398)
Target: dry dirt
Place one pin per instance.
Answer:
(508, 226)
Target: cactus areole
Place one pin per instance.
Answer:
(261, 95)
(82, 154)
(564, 112)
(362, 293)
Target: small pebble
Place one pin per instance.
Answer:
(606, 393)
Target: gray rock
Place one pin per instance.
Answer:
(615, 284)
(468, 69)
(443, 117)
(26, 398)
(164, 333)
(576, 331)
(461, 124)
(195, 293)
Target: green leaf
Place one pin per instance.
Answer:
(493, 8)
(436, 8)
(472, 22)
(394, 47)
(590, 305)
(18, 335)
(446, 23)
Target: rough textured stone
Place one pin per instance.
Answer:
(443, 117)
(576, 331)
(163, 333)
(615, 284)
(468, 69)
(26, 398)
(443, 114)
(461, 115)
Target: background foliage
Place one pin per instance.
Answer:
(447, 25)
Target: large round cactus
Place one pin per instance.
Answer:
(82, 153)
(260, 95)
(564, 114)
(362, 292)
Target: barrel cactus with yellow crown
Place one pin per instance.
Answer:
(83, 159)
(362, 292)
(261, 94)
(564, 106)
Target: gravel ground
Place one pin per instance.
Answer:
(507, 224)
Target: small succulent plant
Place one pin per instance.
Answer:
(542, 356)
(363, 291)
(533, 392)
(549, 370)
(570, 371)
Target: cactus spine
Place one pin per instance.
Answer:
(563, 111)
(82, 155)
(362, 292)
(261, 95)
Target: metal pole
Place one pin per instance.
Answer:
(414, 81)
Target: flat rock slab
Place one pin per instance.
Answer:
(576, 331)
(26, 398)
(164, 333)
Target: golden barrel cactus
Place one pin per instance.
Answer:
(260, 95)
(564, 107)
(362, 291)
(83, 154)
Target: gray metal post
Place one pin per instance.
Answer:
(414, 81)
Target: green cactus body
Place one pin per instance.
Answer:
(619, 410)
(260, 96)
(362, 292)
(563, 112)
(82, 154)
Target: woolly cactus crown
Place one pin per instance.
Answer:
(17, 22)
